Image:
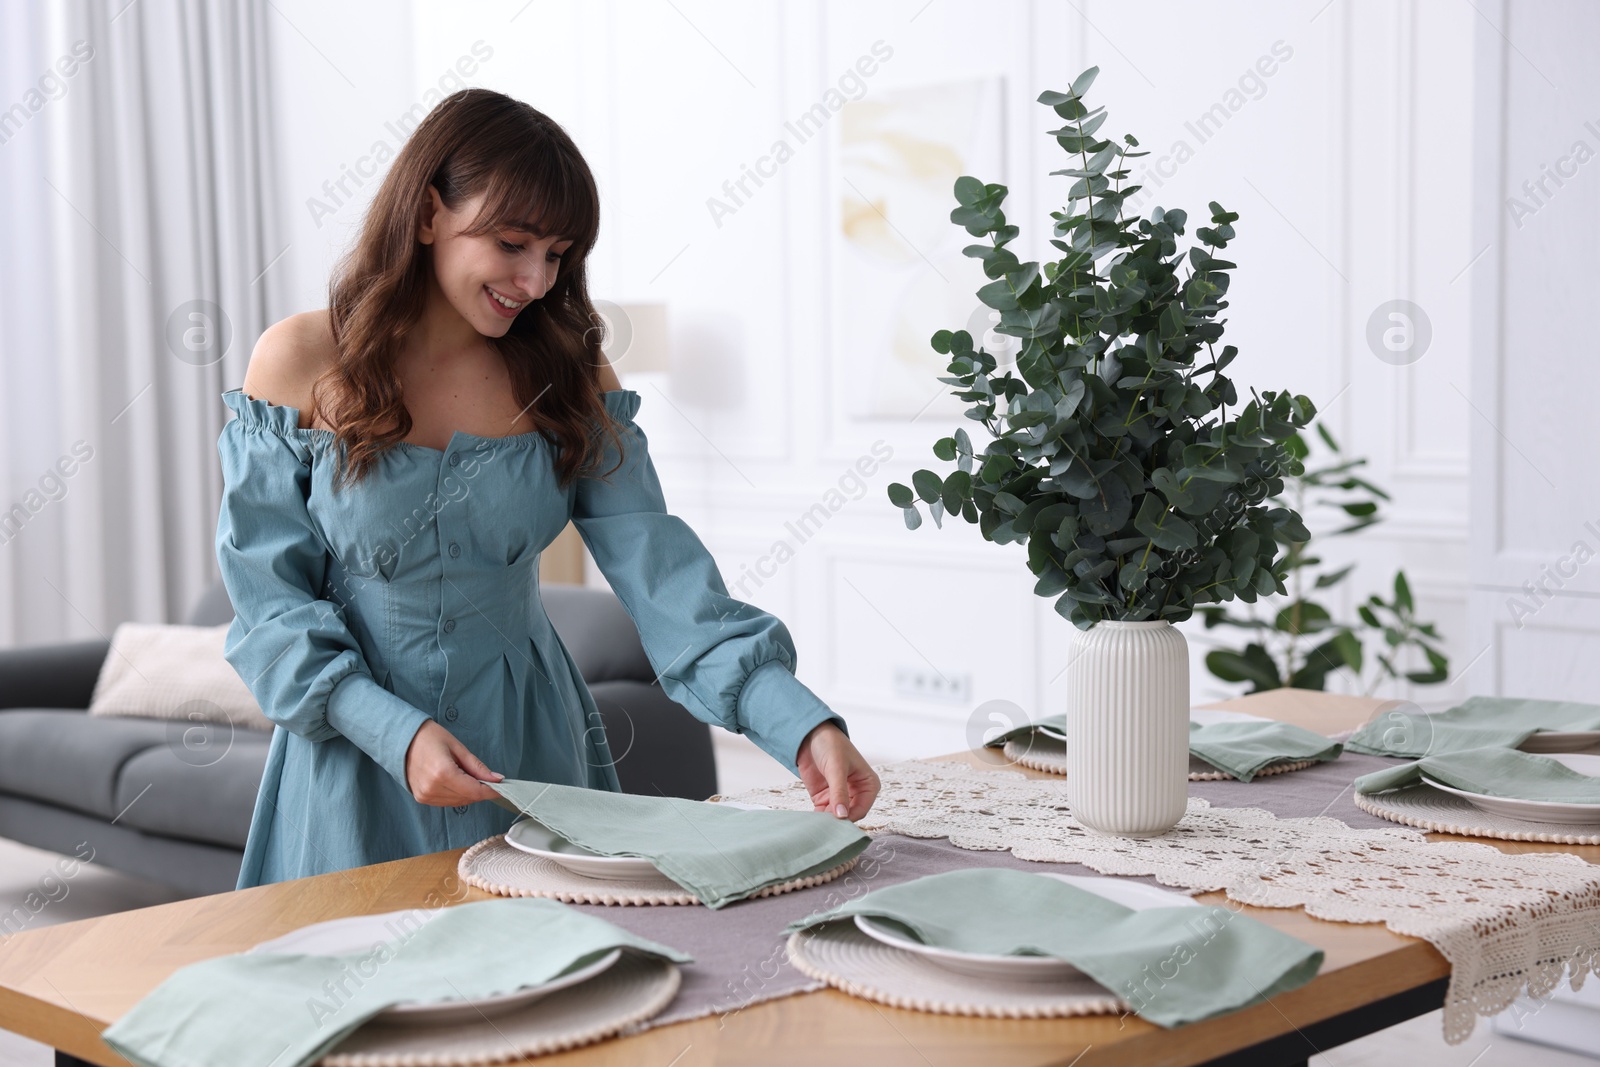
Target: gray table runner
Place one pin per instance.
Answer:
(738, 950)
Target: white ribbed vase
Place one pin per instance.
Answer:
(1128, 727)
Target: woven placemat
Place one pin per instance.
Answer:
(1046, 754)
(847, 959)
(496, 867)
(633, 989)
(1428, 808)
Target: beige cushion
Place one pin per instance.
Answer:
(166, 671)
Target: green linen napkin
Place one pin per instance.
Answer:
(717, 852)
(1058, 723)
(1493, 771)
(286, 1010)
(1172, 965)
(1477, 722)
(1241, 749)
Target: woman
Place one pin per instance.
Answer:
(397, 465)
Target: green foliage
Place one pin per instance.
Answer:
(1300, 643)
(1112, 453)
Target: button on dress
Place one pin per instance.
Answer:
(414, 595)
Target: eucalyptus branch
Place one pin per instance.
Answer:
(1108, 460)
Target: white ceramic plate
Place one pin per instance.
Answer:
(1563, 812)
(532, 836)
(1548, 741)
(1135, 895)
(358, 933)
(1203, 716)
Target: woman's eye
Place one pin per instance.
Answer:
(556, 256)
(509, 247)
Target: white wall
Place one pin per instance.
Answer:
(1536, 509)
(342, 72)
(1349, 166)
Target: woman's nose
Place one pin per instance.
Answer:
(532, 281)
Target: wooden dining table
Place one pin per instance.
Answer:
(62, 985)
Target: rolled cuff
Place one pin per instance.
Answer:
(376, 721)
(777, 711)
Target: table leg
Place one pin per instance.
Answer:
(1295, 1049)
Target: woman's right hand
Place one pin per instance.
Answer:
(441, 772)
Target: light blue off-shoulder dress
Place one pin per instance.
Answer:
(414, 595)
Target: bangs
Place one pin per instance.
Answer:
(537, 190)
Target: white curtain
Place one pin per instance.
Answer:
(137, 169)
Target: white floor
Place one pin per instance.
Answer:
(740, 765)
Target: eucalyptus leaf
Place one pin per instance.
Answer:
(1105, 511)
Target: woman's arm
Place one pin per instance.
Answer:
(730, 663)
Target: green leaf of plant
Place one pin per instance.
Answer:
(1319, 663)
(968, 190)
(999, 295)
(995, 467)
(1163, 526)
(1349, 646)
(1302, 617)
(900, 495)
(1083, 478)
(1402, 592)
(1106, 512)
(1254, 666)
(1333, 577)
(956, 491)
(1177, 496)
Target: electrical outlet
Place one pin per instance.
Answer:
(925, 683)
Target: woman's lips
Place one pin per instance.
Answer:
(503, 311)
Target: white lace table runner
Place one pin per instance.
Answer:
(1507, 924)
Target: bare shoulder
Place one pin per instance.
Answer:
(608, 376)
(289, 356)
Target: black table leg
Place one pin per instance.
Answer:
(1294, 1049)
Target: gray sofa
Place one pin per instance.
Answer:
(67, 777)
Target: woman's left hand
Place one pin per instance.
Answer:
(838, 777)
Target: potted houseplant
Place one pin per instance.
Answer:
(1300, 643)
(1120, 453)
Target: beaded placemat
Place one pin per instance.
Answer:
(496, 867)
(1432, 809)
(633, 989)
(847, 959)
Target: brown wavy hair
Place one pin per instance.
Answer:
(533, 177)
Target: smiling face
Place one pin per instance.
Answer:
(488, 278)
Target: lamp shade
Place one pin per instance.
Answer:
(635, 336)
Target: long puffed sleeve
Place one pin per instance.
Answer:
(292, 648)
(730, 663)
